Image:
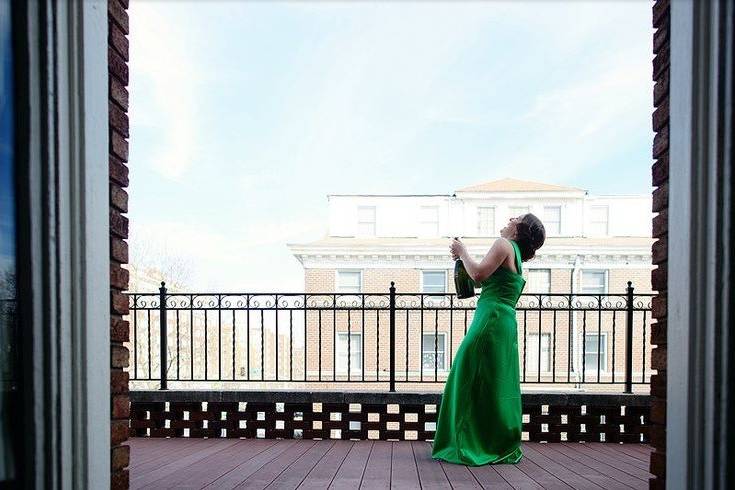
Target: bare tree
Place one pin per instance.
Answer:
(154, 262)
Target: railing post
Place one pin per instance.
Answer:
(629, 340)
(392, 342)
(164, 334)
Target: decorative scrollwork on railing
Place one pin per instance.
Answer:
(144, 301)
(406, 301)
(403, 301)
(643, 302)
(320, 301)
(271, 336)
(374, 301)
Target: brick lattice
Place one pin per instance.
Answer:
(600, 418)
(118, 56)
(660, 181)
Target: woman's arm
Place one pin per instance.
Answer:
(479, 271)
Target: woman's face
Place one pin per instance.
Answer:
(509, 232)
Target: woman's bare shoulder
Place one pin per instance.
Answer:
(502, 244)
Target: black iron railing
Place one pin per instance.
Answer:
(395, 338)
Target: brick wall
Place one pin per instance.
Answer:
(117, 48)
(556, 328)
(660, 179)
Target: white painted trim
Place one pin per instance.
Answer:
(65, 284)
(342, 370)
(604, 345)
(421, 278)
(581, 278)
(679, 250)
(91, 332)
(700, 246)
(538, 269)
(443, 336)
(348, 269)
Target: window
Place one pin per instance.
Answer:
(532, 353)
(429, 221)
(433, 351)
(594, 282)
(349, 281)
(516, 211)
(594, 352)
(599, 217)
(433, 281)
(366, 220)
(539, 281)
(552, 220)
(486, 221)
(354, 350)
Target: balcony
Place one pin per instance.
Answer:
(294, 380)
(340, 464)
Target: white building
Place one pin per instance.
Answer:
(594, 243)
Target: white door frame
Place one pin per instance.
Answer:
(699, 441)
(63, 266)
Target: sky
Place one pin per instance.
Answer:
(245, 115)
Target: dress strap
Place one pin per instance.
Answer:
(517, 251)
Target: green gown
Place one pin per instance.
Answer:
(480, 418)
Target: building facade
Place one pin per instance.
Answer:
(595, 245)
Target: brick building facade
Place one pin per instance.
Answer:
(580, 256)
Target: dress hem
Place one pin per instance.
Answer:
(501, 460)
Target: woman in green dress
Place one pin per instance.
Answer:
(480, 419)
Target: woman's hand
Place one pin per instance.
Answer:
(457, 249)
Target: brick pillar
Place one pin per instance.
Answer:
(117, 49)
(660, 180)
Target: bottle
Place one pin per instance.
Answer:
(463, 283)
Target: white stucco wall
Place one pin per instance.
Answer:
(399, 216)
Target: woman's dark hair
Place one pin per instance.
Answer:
(530, 235)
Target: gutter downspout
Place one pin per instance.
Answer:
(575, 343)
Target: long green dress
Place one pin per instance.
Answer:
(480, 417)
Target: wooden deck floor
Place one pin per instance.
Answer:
(260, 463)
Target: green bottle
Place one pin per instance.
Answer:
(463, 283)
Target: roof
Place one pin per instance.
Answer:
(515, 185)
(350, 243)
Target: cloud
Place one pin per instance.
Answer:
(248, 255)
(163, 87)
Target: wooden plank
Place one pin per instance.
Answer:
(166, 456)
(378, 468)
(349, 475)
(211, 468)
(141, 453)
(604, 481)
(642, 452)
(324, 471)
(270, 471)
(616, 469)
(540, 475)
(292, 476)
(640, 448)
(612, 450)
(240, 472)
(403, 471)
(516, 477)
(430, 472)
(459, 476)
(559, 471)
(488, 477)
(177, 464)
